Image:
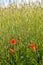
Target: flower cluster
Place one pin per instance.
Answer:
(13, 42)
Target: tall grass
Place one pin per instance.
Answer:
(26, 23)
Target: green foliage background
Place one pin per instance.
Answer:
(26, 23)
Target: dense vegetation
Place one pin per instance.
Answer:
(25, 26)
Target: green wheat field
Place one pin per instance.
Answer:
(25, 25)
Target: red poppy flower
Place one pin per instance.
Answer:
(19, 38)
(13, 41)
(32, 46)
(11, 50)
